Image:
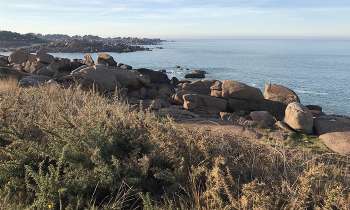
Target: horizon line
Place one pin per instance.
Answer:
(208, 37)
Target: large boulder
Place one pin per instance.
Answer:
(238, 90)
(204, 104)
(33, 80)
(106, 59)
(280, 93)
(18, 57)
(108, 79)
(263, 118)
(154, 76)
(277, 109)
(299, 118)
(331, 123)
(338, 142)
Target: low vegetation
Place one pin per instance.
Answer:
(69, 149)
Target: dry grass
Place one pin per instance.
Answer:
(78, 150)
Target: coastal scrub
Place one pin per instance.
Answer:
(71, 149)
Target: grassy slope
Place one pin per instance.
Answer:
(73, 150)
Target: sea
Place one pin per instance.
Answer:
(317, 70)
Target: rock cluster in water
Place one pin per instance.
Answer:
(277, 107)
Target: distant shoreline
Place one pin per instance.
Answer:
(60, 43)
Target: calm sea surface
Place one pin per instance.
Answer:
(318, 70)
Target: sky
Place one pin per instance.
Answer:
(179, 18)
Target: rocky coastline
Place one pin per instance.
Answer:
(57, 43)
(251, 112)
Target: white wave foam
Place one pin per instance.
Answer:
(310, 92)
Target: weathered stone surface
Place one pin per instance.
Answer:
(60, 65)
(108, 79)
(238, 90)
(314, 107)
(331, 123)
(45, 71)
(195, 75)
(76, 63)
(280, 93)
(177, 98)
(17, 67)
(299, 118)
(88, 60)
(174, 81)
(200, 87)
(44, 58)
(165, 90)
(7, 73)
(154, 76)
(263, 118)
(106, 59)
(126, 67)
(197, 71)
(216, 89)
(315, 110)
(204, 104)
(338, 142)
(33, 80)
(277, 109)
(32, 57)
(4, 60)
(139, 93)
(18, 57)
(79, 68)
(32, 67)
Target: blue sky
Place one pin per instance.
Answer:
(179, 18)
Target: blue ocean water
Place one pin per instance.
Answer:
(318, 70)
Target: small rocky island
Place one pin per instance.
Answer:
(232, 106)
(58, 43)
